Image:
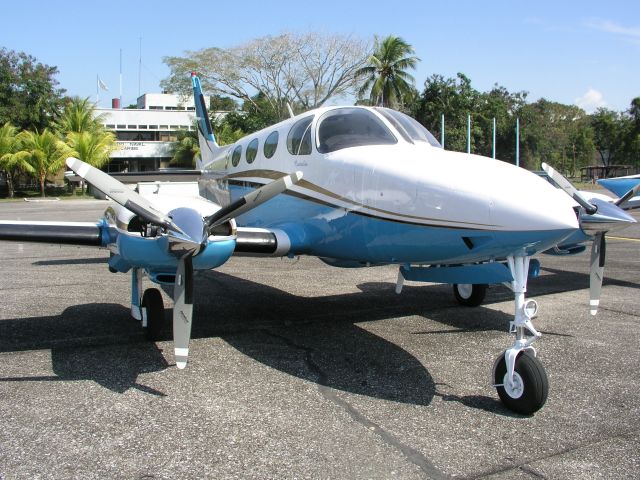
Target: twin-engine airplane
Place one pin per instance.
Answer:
(370, 186)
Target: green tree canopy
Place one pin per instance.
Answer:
(45, 152)
(12, 160)
(385, 79)
(29, 96)
(79, 115)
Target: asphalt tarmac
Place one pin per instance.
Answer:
(300, 370)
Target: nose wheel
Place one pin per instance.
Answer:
(527, 391)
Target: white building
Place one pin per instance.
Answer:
(146, 134)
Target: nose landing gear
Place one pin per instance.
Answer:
(519, 376)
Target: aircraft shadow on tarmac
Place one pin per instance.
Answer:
(98, 342)
(313, 338)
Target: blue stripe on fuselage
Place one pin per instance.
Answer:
(323, 230)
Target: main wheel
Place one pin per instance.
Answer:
(154, 305)
(469, 295)
(531, 385)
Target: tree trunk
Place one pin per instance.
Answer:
(42, 179)
(10, 189)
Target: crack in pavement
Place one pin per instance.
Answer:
(330, 394)
(525, 466)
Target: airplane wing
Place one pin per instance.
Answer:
(69, 233)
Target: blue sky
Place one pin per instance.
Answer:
(583, 52)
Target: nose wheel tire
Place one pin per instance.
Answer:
(530, 387)
(469, 295)
(154, 305)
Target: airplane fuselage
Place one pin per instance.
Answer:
(394, 199)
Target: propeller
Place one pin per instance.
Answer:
(252, 200)
(602, 218)
(121, 194)
(627, 196)
(572, 191)
(187, 232)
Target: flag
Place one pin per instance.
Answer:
(102, 85)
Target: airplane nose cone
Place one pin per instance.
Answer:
(607, 218)
(524, 201)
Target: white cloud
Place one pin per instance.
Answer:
(629, 33)
(591, 100)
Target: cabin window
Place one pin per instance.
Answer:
(412, 127)
(235, 157)
(252, 150)
(299, 138)
(351, 127)
(270, 144)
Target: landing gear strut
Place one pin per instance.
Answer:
(519, 377)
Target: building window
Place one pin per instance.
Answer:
(142, 127)
(191, 109)
(252, 150)
(164, 127)
(168, 137)
(271, 144)
(122, 126)
(154, 107)
(153, 127)
(299, 138)
(235, 158)
(110, 125)
(132, 127)
(175, 127)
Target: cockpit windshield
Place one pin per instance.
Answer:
(408, 127)
(351, 127)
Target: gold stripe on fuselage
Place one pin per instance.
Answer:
(274, 175)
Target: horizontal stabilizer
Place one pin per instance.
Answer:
(70, 233)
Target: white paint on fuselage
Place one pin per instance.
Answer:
(414, 183)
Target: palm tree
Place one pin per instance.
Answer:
(11, 159)
(186, 149)
(45, 152)
(386, 81)
(92, 147)
(79, 116)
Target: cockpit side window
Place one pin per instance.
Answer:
(299, 138)
(351, 127)
(412, 127)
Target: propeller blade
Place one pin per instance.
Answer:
(598, 252)
(566, 185)
(252, 200)
(183, 310)
(121, 194)
(630, 194)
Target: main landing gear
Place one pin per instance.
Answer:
(519, 377)
(148, 308)
(469, 295)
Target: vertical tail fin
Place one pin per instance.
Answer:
(206, 138)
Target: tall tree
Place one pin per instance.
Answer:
(29, 96)
(45, 152)
(79, 115)
(385, 79)
(304, 70)
(12, 160)
(611, 131)
(455, 98)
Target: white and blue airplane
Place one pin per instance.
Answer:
(354, 186)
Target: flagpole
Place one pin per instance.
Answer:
(120, 78)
